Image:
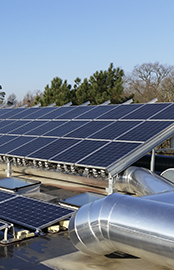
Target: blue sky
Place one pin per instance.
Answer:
(42, 39)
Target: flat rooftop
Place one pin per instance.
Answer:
(55, 250)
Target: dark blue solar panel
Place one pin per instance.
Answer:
(32, 213)
(25, 150)
(145, 131)
(5, 123)
(12, 126)
(120, 111)
(97, 111)
(168, 113)
(55, 114)
(88, 129)
(25, 112)
(3, 112)
(5, 196)
(13, 112)
(48, 126)
(114, 130)
(79, 151)
(109, 154)
(54, 148)
(29, 126)
(5, 148)
(6, 138)
(74, 113)
(66, 128)
(146, 111)
(39, 112)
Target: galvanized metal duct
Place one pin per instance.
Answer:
(134, 225)
(141, 182)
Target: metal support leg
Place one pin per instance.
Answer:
(152, 162)
(110, 188)
(9, 170)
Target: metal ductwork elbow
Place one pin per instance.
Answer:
(133, 225)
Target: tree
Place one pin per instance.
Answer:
(31, 98)
(11, 100)
(146, 80)
(58, 92)
(2, 95)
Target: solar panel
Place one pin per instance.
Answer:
(40, 130)
(120, 111)
(30, 146)
(6, 138)
(12, 112)
(167, 114)
(31, 213)
(55, 114)
(39, 112)
(5, 196)
(53, 148)
(10, 127)
(114, 130)
(79, 151)
(29, 126)
(3, 112)
(88, 129)
(109, 154)
(74, 113)
(66, 128)
(96, 112)
(5, 123)
(146, 111)
(13, 144)
(145, 131)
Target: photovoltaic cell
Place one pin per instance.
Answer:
(5, 196)
(66, 128)
(145, 131)
(25, 150)
(48, 126)
(5, 123)
(146, 111)
(55, 114)
(6, 138)
(39, 112)
(13, 112)
(167, 114)
(74, 113)
(109, 154)
(29, 126)
(78, 151)
(53, 148)
(12, 126)
(88, 129)
(25, 112)
(9, 146)
(120, 111)
(96, 112)
(114, 130)
(31, 213)
(3, 112)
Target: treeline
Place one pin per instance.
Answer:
(145, 82)
(100, 87)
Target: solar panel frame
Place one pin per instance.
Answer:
(33, 214)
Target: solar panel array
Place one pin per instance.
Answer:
(91, 136)
(31, 213)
